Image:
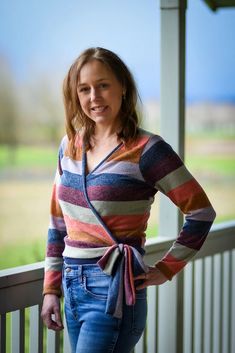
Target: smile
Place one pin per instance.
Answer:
(99, 109)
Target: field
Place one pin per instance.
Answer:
(25, 188)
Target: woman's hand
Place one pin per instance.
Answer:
(51, 305)
(152, 278)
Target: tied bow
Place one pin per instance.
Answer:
(123, 262)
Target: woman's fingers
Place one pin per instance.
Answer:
(58, 319)
(151, 278)
(51, 312)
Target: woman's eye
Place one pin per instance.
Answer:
(84, 89)
(103, 85)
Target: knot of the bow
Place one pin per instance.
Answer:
(123, 262)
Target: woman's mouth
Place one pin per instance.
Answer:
(99, 109)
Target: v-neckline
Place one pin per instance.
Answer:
(84, 158)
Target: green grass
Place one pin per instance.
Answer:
(221, 165)
(22, 254)
(28, 156)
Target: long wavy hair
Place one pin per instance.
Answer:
(77, 120)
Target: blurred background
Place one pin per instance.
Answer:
(39, 40)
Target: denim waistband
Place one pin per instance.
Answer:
(79, 261)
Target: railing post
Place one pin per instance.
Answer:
(172, 127)
(18, 331)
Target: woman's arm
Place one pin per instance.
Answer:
(51, 314)
(164, 170)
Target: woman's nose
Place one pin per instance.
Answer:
(94, 93)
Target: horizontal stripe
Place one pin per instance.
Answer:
(159, 161)
(82, 244)
(202, 214)
(182, 252)
(152, 140)
(71, 165)
(173, 265)
(123, 168)
(174, 179)
(73, 196)
(193, 234)
(55, 206)
(95, 230)
(57, 223)
(53, 263)
(189, 196)
(126, 208)
(132, 152)
(79, 213)
(126, 222)
(71, 251)
(54, 249)
(133, 192)
(56, 236)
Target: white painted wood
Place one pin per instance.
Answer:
(35, 330)
(139, 348)
(152, 319)
(216, 307)
(231, 282)
(197, 307)
(232, 327)
(172, 98)
(167, 317)
(187, 308)
(202, 308)
(53, 340)
(207, 311)
(193, 309)
(225, 304)
(17, 331)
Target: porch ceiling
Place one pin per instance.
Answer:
(216, 4)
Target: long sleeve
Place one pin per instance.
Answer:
(55, 241)
(164, 170)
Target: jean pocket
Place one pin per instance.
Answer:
(97, 286)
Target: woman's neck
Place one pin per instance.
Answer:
(106, 133)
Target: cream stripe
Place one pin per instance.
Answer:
(82, 253)
(116, 208)
(71, 166)
(53, 263)
(182, 252)
(78, 213)
(106, 208)
(120, 167)
(174, 179)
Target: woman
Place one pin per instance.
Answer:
(109, 171)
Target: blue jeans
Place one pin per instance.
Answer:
(90, 329)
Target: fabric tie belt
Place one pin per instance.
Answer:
(123, 263)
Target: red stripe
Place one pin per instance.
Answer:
(189, 196)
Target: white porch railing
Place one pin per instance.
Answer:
(203, 296)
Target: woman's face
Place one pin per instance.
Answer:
(99, 93)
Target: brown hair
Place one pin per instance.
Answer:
(76, 119)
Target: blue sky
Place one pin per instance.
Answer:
(44, 37)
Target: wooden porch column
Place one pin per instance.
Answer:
(172, 128)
